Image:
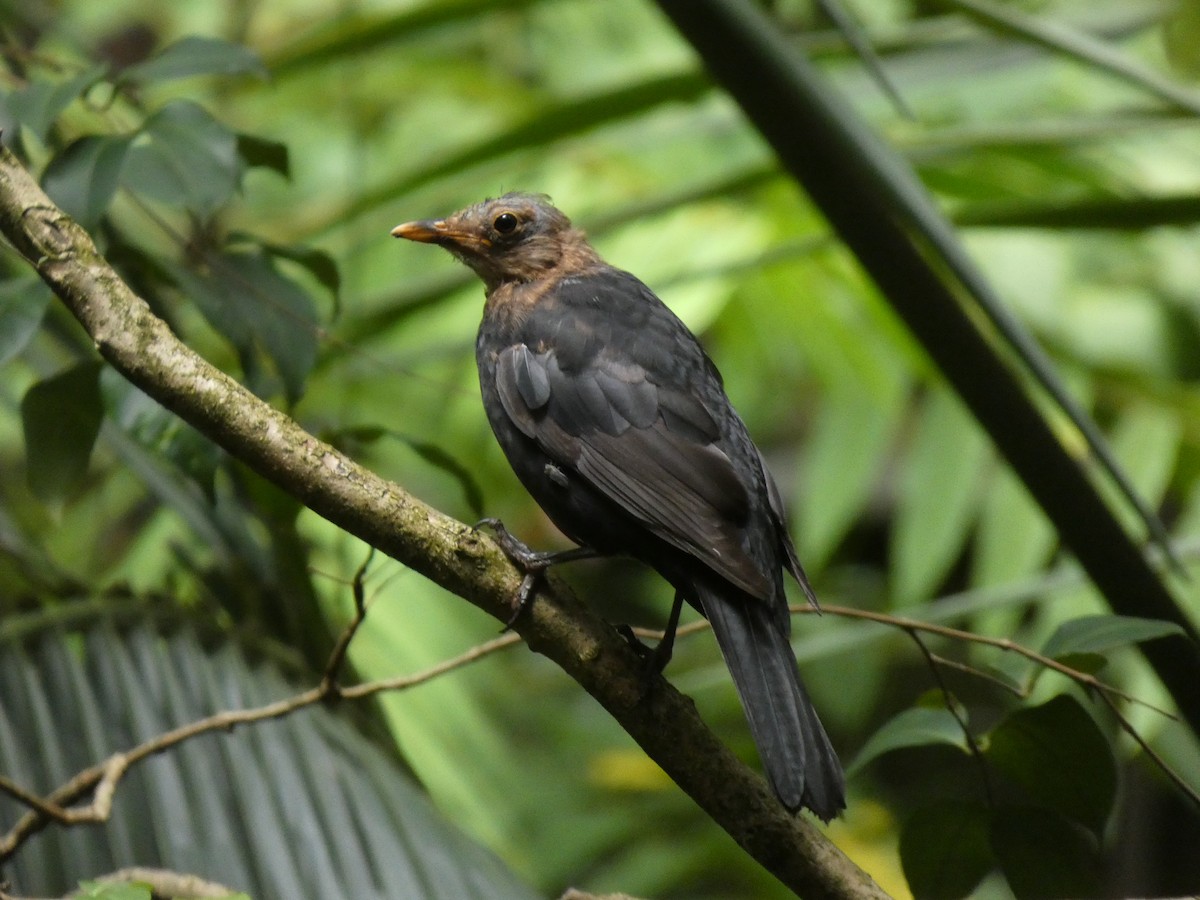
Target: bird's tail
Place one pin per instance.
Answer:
(799, 760)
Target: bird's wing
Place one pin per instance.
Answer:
(791, 557)
(649, 447)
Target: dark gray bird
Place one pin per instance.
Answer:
(616, 421)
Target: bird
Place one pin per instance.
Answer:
(616, 421)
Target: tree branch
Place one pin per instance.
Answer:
(662, 721)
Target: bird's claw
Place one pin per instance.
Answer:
(524, 598)
(652, 658)
(634, 642)
(520, 554)
(532, 563)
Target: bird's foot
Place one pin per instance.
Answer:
(635, 643)
(653, 659)
(533, 563)
(518, 552)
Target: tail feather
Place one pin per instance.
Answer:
(799, 760)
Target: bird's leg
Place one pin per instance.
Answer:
(656, 660)
(666, 646)
(533, 563)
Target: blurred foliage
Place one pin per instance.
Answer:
(241, 164)
(301, 806)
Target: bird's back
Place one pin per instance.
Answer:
(627, 381)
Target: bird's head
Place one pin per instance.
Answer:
(514, 238)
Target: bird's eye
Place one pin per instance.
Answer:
(505, 223)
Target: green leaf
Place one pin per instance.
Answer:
(1181, 38)
(939, 497)
(185, 157)
(264, 153)
(321, 265)
(1014, 538)
(1107, 213)
(83, 178)
(259, 310)
(944, 850)
(99, 890)
(188, 453)
(356, 32)
(1120, 328)
(23, 303)
(281, 314)
(1089, 663)
(37, 105)
(195, 55)
(1042, 854)
(436, 456)
(1005, 669)
(1147, 439)
(1058, 754)
(61, 417)
(1100, 634)
(917, 727)
(1082, 47)
(845, 454)
(856, 36)
(307, 807)
(442, 459)
(535, 132)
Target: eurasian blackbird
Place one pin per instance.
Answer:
(616, 421)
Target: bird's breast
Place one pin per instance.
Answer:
(510, 304)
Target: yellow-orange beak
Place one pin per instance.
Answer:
(428, 232)
(438, 231)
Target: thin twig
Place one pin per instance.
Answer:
(337, 658)
(103, 778)
(1162, 764)
(906, 624)
(30, 799)
(948, 698)
(1084, 678)
(403, 682)
(1094, 685)
(947, 663)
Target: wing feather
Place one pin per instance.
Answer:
(523, 386)
(578, 403)
(680, 510)
(650, 450)
(531, 378)
(635, 398)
